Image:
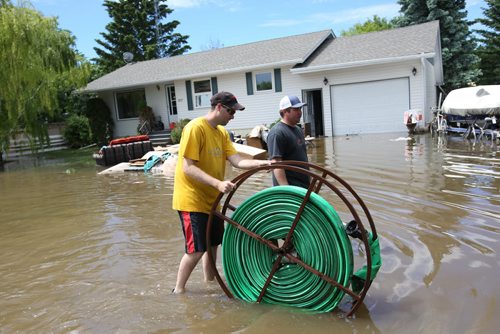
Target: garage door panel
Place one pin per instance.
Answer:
(370, 107)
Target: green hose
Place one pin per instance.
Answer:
(319, 239)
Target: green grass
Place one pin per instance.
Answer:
(69, 159)
(70, 155)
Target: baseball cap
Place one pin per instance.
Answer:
(227, 99)
(291, 101)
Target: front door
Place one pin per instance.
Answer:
(171, 105)
(313, 112)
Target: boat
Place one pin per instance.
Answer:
(473, 111)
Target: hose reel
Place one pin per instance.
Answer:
(287, 245)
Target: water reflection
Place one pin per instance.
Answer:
(84, 252)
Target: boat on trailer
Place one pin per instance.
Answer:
(473, 111)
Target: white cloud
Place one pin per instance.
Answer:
(229, 5)
(185, 3)
(355, 15)
(358, 14)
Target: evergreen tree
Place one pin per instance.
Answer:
(137, 27)
(460, 63)
(370, 25)
(489, 48)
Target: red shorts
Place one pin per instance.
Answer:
(194, 228)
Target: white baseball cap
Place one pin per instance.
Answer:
(291, 101)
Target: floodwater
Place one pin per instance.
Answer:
(88, 253)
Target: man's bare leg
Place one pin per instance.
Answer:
(188, 262)
(207, 269)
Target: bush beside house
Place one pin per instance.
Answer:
(176, 133)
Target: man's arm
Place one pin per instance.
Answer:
(279, 174)
(189, 167)
(275, 143)
(237, 161)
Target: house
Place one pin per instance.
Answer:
(353, 85)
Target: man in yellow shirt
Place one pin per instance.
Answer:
(199, 178)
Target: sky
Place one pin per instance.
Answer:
(231, 22)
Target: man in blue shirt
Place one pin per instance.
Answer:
(286, 142)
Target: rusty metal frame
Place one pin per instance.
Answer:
(318, 177)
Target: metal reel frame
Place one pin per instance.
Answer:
(318, 177)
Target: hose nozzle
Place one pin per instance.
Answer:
(352, 229)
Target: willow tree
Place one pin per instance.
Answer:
(35, 56)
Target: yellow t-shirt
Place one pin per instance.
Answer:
(209, 148)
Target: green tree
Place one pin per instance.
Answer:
(70, 100)
(489, 48)
(100, 120)
(35, 57)
(460, 64)
(137, 27)
(370, 25)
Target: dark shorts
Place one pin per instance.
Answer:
(194, 227)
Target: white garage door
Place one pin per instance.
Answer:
(370, 107)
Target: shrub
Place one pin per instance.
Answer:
(175, 135)
(100, 120)
(77, 131)
(176, 132)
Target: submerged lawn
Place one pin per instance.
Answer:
(67, 158)
(71, 155)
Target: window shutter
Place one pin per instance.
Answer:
(277, 80)
(249, 83)
(189, 95)
(215, 90)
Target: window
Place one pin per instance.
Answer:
(202, 93)
(129, 103)
(264, 81)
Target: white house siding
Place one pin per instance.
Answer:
(261, 108)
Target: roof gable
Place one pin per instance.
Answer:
(410, 41)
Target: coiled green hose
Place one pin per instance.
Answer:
(319, 240)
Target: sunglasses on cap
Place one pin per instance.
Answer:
(231, 111)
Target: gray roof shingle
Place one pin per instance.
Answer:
(394, 43)
(289, 50)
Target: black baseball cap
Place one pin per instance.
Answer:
(227, 99)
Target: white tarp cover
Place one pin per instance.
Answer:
(470, 101)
